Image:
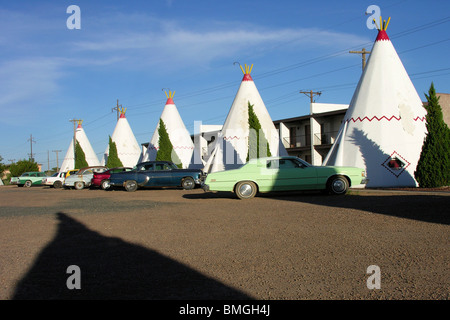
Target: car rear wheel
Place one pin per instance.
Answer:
(105, 184)
(338, 185)
(79, 185)
(188, 183)
(57, 184)
(246, 189)
(28, 183)
(131, 185)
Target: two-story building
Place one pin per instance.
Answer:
(311, 136)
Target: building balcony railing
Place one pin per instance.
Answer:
(300, 141)
(325, 138)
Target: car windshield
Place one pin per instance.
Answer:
(303, 162)
(172, 166)
(55, 174)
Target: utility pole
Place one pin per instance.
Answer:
(311, 94)
(57, 163)
(363, 53)
(75, 121)
(117, 108)
(31, 145)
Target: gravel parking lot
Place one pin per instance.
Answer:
(177, 244)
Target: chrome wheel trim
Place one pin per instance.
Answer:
(338, 185)
(188, 183)
(105, 185)
(246, 190)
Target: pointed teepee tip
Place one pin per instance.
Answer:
(79, 123)
(246, 72)
(169, 97)
(122, 112)
(382, 35)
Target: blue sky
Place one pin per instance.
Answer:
(133, 50)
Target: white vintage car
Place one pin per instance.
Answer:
(82, 179)
(56, 180)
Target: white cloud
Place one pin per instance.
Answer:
(173, 44)
(34, 61)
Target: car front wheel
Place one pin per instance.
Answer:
(338, 185)
(79, 185)
(131, 185)
(246, 189)
(28, 183)
(188, 183)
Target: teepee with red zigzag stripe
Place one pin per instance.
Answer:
(69, 159)
(128, 149)
(384, 127)
(232, 146)
(179, 136)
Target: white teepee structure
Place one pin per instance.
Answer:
(179, 136)
(232, 146)
(69, 159)
(128, 149)
(384, 127)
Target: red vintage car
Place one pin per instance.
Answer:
(101, 179)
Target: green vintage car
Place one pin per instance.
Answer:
(283, 174)
(28, 179)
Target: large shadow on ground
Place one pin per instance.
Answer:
(426, 208)
(112, 269)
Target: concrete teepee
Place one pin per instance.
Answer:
(128, 149)
(69, 159)
(180, 138)
(232, 146)
(384, 127)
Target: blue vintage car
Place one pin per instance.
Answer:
(156, 174)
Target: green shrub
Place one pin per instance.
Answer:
(22, 166)
(113, 158)
(165, 150)
(433, 168)
(258, 146)
(80, 157)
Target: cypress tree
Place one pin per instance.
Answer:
(113, 158)
(166, 151)
(80, 157)
(258, 144)
(433, 168)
